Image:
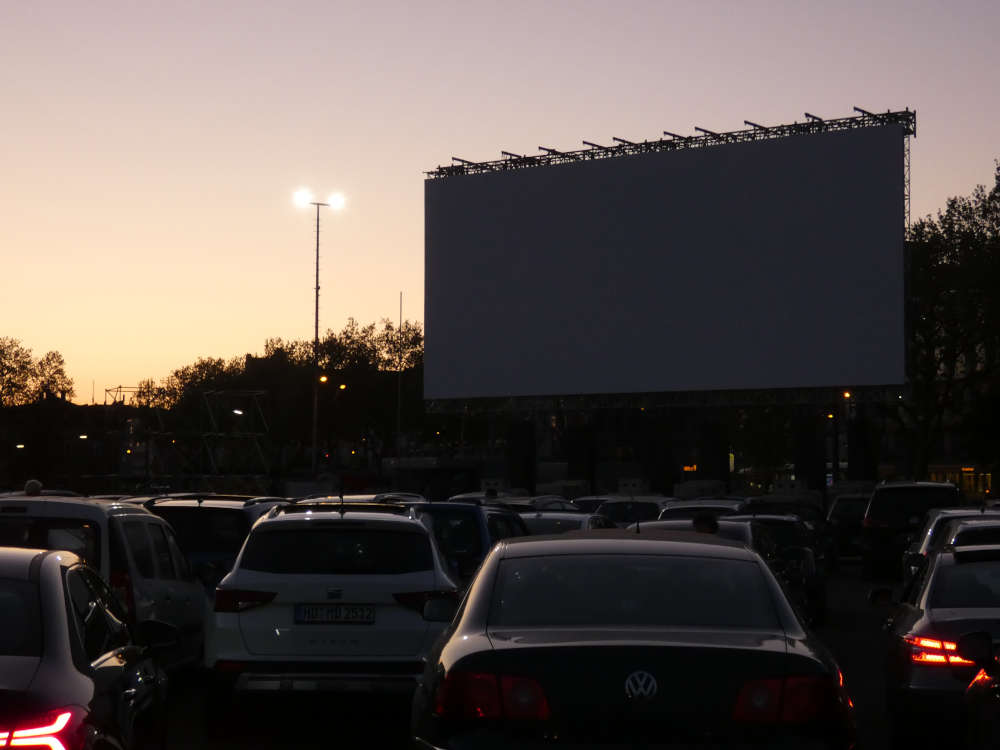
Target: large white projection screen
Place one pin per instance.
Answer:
(770, 264)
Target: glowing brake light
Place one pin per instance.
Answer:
(55, 735)
(934, 651)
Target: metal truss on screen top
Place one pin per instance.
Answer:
(673, 142)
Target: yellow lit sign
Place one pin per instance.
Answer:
(969, 469)
(691, 467)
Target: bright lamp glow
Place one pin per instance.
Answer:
(303, 197)
(337, 201)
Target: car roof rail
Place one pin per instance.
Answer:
(343, 508)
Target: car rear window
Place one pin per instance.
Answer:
(553, 525)
(969, 537)
(337, 551)
(76, 535)
(906, 506)
(966, 585)
(630, 511)
(632, 590)
(207, 534)
(20, 618)
(852, 509)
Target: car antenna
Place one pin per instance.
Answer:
(342, 509)
(637, 526)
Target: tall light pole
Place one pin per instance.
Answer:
(304, 197)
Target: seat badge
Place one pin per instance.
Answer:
(640, 685)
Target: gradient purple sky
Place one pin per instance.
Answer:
(150, 151)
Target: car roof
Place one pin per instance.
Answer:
(894, 485)
(80, 505)
(705, 502)
(531, 513)
(304, 515)
(971, 523)
(618, 541)
(788, 517)
(211, 502)
(969, 553)
(15, 562)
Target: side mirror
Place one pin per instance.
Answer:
(440, 610)
(156, 636)
(880, 597)
(978, 647)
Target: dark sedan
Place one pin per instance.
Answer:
(71, 676)
(620, 639)
(957, 592)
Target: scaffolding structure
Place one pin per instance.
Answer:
(906, 119)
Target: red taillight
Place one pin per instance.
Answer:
(791, 700)
(479, 695)
(58, 730)
(932, 651)
(468, 695)
(523, 698)
(239, 600)
(416, 600)
(121, 584)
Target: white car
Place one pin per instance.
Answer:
(331, 599)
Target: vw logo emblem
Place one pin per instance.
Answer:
(640, 685)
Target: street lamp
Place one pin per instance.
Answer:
(303, 197)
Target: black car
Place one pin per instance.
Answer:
(71, 675)
(796, 561)
(982, 696)
(956, 592)
(614, 638)
(843, 521)
(894, 514)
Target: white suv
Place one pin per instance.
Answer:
(323, 597)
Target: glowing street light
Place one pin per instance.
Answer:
(238, 412)
(83, 437)
(323, 378)
(304, 197)
(847, 394)
(343, 386)
(20, 446)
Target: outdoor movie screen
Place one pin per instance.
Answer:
(769, 264)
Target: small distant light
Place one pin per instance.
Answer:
(173, 442)
(343, 386)
(847, 394)
(238, 412)
(20, 446)
(353, 452)
(829, 416)
(83, 437)
(642, 408)
(438, 432)
(323, 378)
(128, 451)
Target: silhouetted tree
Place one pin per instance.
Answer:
(953, 356)
(16, 372)
(50, 377)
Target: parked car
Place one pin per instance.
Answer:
(590, 503)
(687, 509)
(796, 562)
(210, 531)
(982, 696)
(752, 533)
(956, 592)
(893, 517)
(933, 535)
(326, 600)
(466, 532)
(971, 532)
(560, 521)
(632, 640)
(843, 522)
(134, 552)
(627, 510)
(73, 674)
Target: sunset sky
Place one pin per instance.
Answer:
(150, 150)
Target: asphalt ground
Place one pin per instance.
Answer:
(852, 631)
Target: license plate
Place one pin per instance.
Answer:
(338, 614)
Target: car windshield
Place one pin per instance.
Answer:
(631, 590)
(968, 585)
(76, 535)
(337, 551)
(20, 618)
(906, 506)
(630, 511)
(207, 533)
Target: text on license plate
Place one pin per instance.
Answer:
(357, 614)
